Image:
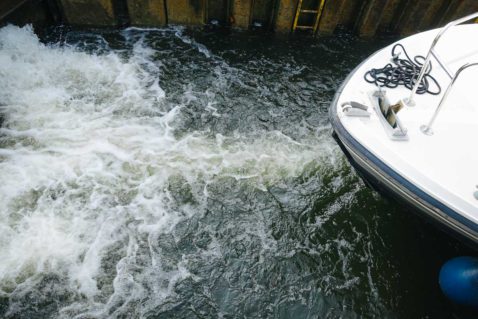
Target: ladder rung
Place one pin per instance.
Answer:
(317, 13)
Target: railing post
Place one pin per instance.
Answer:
(410, 101)
(427, 129)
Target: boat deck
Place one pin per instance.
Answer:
(445, 164)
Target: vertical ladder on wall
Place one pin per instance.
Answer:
(300, 11)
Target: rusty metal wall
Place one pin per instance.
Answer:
(367, 17)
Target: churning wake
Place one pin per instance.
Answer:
(95, 173)
(146, 176)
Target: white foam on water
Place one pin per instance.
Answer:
(87, 155)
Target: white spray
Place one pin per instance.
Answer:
(87, 152)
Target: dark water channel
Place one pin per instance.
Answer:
(179, 173)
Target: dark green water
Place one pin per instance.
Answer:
(180, 173)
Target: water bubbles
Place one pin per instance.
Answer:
(145, 174)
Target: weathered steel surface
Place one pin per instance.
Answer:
(285, 15)
(369, 20)
(21, 12)
(218, 10)
(464, 8)
(189, 12)
(262, 11)
(8, 6)
(429, 15)
(147, 12)
(388, 19)
(418, 15)
(89, 12)
(241, 11)
(366, 17)
(331, 16)
(350, 13)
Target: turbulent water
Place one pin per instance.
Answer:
(171, 173)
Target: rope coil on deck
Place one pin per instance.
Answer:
(403, 72)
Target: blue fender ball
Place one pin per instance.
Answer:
(459, 281)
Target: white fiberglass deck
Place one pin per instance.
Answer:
(445, 164)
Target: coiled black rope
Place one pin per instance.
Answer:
(404, 72)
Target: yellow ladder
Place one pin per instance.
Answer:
(300, 11)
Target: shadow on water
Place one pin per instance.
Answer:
(225, 195)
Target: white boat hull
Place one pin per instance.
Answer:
(444, 189)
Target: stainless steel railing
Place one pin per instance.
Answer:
(427, 129)
(410, 101)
